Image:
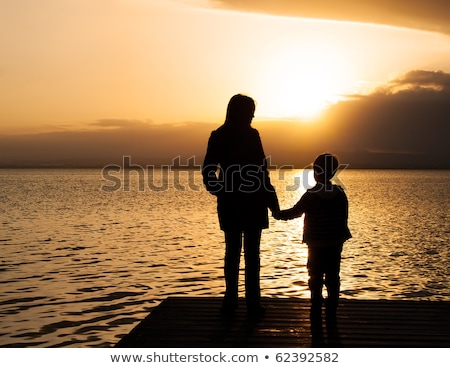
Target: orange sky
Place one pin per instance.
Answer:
(69, 67)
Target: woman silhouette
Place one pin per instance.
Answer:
(244, 193)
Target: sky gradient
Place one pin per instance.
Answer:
(85, 83)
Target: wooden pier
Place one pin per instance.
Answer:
(195, 322)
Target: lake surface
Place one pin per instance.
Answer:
(85, 256)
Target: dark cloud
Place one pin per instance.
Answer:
(408, 120)
(418, 80)
(147, 143)
(403, 124)
(431, 15)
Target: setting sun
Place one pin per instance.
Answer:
(295, 93)
(300, 79)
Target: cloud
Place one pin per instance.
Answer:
(418, 81)
(122, 124)
(406, 119)
(431, 15)
(106, 144)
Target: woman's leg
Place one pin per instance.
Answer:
(233, 246)
(252, 239)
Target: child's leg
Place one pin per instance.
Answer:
(332, 279)
(315, 271)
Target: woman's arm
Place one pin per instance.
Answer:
(210, 166)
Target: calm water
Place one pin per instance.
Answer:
(81, 266)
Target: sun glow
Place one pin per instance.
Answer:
(300, 81)
(295, 94)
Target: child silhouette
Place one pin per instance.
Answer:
(325, 230)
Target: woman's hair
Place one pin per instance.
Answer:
(240, 110)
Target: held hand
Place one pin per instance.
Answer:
(280, 215)
(276, 215)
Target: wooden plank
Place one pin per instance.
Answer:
(196, 322)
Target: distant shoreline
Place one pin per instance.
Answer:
(97, 167)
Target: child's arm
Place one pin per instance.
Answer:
(290, 213)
